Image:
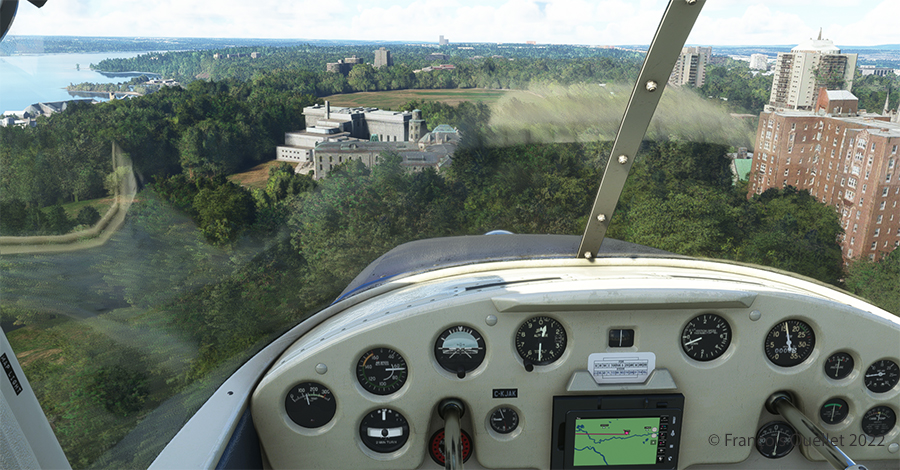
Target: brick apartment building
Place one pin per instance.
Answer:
(845, 158)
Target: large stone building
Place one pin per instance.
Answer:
(800, 73)
(845, 158)
(383, 58)
(690, 69)
(343, 66)
(335, 136)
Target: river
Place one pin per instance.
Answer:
(33, 78)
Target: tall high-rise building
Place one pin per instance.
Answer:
(800, 73)
(759, 62)
(844, 158)
(690, 69)
(442, 41)
(383, 58)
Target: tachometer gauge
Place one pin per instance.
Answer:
(310, 404)
(839, 365)
(789, 343)
(381, 371)
(706, 337)
(384, 430)
(882, 376)
(775, 440)
(834, 411)
(459, 349)
(878, 421)
(540, 341)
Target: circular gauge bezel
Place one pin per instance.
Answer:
(828, 414)
(536, 333)
(380, 378)
(802, 335)
(310, 405)
(511, 417)
(763, 440)
(706, 346)
(885, 428)
(436, 442)
(464, 358)
(382, 445)
(890, 376)
(839, 358)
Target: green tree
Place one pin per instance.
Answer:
(223, 212)
(878, 281)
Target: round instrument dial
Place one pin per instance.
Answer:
(459, 349)
(706, 337)
(882, 376)
(384, 430)
(775, 440)
(310, 404)
(540, 341)
(436, 446)
(381, 371)
(504, 420)
(789, 343)
(834, 411)
(878, 421)
(839, 365)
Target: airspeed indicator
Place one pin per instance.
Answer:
(706, 337)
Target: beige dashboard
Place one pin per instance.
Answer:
(361, 389)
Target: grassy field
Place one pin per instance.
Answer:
(396, 98)
(102, 205)
(257, 176)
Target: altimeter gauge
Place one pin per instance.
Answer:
(882, 376)
(789, 343)
(381, 371)
(459, 349)
(310, 404)
(706, 337)
(540, 341)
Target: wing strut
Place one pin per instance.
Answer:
(671, 34)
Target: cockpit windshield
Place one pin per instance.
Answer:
(182, 182)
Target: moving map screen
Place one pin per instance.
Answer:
(625, 432)
(616, 441)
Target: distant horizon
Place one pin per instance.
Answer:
(864, 23)
(890, 46)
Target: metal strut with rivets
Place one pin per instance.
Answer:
(670, 37)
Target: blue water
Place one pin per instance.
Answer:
(28, 79)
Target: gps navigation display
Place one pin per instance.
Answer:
(633, 432)
(616, 441)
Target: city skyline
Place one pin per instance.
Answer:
(608, 22)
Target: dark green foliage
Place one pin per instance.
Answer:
(88, 215)
(223, 211)
(735, 83)
(878, 281)
(790, 230)
(120, 390)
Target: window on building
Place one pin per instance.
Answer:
(855, 227)
(852, 183)
(872, 256)
(878, 220)
(861, 201)
(882, 205)
(864, 188)
(873, 146)
(843, 180)
(877, 232)
(851, 195)
(891, 161)
(887, 179)
(884, 192)
(794, 126)
(785, 172)
(894, 149)
(852, 240)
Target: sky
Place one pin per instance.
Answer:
(599, 22)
